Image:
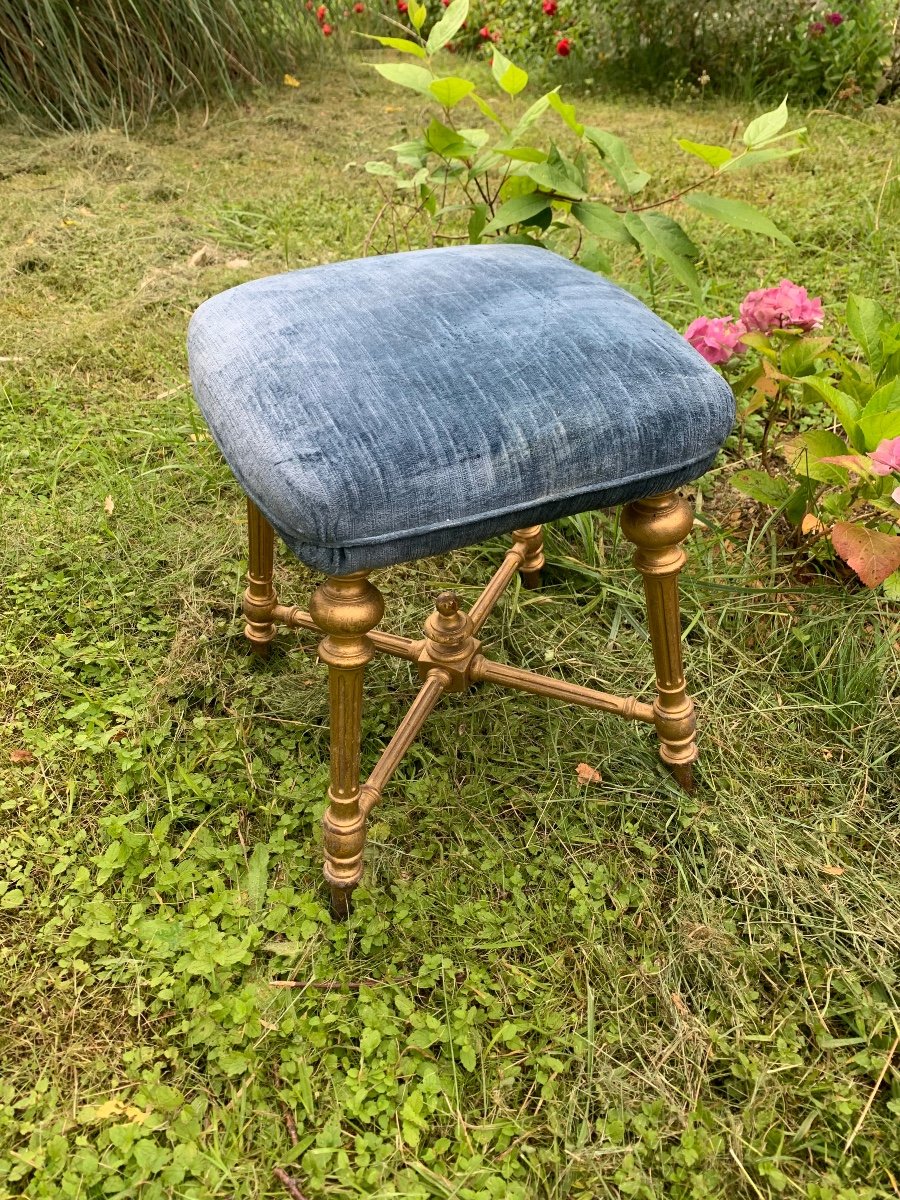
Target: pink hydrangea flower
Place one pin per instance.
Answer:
(782, 307)
(717, 338)
(886, 456)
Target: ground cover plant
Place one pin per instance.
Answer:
(553, 984)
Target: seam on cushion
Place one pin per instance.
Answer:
(493, 514)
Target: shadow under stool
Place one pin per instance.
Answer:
(387, 409)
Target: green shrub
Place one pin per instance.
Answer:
(77, 65)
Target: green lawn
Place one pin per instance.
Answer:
(545, 990)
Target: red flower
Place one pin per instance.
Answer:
(815, 29)
(484, 33)
(564, 47)
(402, 6)
(359, 8)
(549, 7)
(495, 36)
(835, 18)
(320, 13)
(326, 30)
(445, 3)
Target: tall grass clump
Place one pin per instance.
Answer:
(76, 65)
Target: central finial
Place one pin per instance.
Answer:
(447, 604)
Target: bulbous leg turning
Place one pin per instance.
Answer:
(657, 526)
(531, 570)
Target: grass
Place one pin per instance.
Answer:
(545, 990)
(96, 62)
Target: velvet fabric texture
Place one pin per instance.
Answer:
(385, 409)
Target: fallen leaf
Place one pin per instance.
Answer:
(826, 870)
(587, 774)
(290, 81)
(201, 257)
(680, 1006)
(108, 505)
(872, 555)
(237, 264)
(22, 757)
(811, 524)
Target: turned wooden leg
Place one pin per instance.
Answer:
(530, 570)
(345, 608)
(657, 526)
(259, 598)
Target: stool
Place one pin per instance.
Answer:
(386, 409)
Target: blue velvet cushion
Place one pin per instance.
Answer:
(389, 408)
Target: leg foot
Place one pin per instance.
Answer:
(532, 566)
(259, 598)
(657, 526)
(345, 608)
(683, 774)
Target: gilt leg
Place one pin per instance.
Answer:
(657, 526)
(345, 608)
(259, 598)
(532, 566)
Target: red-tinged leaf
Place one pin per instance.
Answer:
(587, 774)
(872, 555)
(21, 757)
(853, 462)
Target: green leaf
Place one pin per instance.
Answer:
(806, 451)
(617, 159)
(800, 501)
(442, 31)
(755, 158)
(566, 111)
(843, 406)
(655, 240)
(866, 320)
(381, 168)
(257, 875)
(736, 213)
(892, 586)
(510, 77)
(417, 14)
(767, 126)
(419, 79)
(880, 418)
(525, 154)
(670, 234)
(554, 178)
(477, 222)
(486, 109)
(467, 1057)
(520, 208)
(404, 45)
(450, 90)
(602, 221)
(762, 487)
(715, 156)
(592, 258)
(531, 114)
(447, 142)
(798, 358)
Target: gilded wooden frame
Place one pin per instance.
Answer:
(346, 610)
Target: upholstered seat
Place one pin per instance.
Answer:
(389, 408)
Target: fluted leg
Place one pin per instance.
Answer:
(531, 568)
(657, 526)
(259, 598)
(345, 608)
